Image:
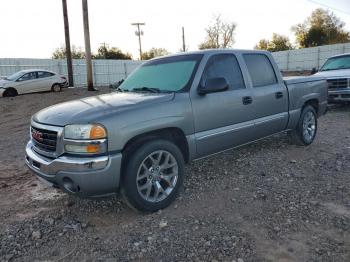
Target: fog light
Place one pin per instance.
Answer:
(82, 148)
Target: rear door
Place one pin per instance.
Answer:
(270, 95)
(222, 120)
(45, 80)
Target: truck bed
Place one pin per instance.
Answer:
(301, 79)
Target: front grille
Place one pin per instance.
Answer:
(45, 140)
(338, 83)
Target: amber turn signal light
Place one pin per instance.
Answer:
(97, 132)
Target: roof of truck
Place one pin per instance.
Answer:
(345, 54)
(216, 51)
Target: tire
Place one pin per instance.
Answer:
(10, 92)
(306, 129)
(157, 164)
(56, 88)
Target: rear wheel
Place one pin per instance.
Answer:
(56, 88)
(10, 92)
(153, 175)
(306, 130)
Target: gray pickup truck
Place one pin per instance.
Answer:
(168, 112)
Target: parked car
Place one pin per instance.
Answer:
(29, 81)
(337, 72)
(168, 112)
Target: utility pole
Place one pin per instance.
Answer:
(104, 49)
(183, 40)
(67, 39)
(139, 33)
(87, 46)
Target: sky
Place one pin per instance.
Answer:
(34, 28)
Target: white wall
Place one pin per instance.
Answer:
(105, 71)
(111, 71)
(307, 58)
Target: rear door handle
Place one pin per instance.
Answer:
(247, 100)
(279, 95)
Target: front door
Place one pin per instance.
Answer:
(27, 83)
(224, 119)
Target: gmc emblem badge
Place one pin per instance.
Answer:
(37, 135)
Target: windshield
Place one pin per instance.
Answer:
(169, 74)
(15, 76)
(340, 62)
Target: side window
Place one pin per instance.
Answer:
(42, 74)
(224, 65)
(260, 70)
(28, 76)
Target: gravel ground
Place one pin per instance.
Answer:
(268, 201)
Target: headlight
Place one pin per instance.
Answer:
(85, 139)
(84, 132)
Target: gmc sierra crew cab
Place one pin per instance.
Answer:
(168, 112)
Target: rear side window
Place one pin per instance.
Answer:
(42, 74)
(260, 70)
(224, 65)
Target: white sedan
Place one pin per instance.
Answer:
(29, 81)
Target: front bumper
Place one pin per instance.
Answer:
(1, 91)
(340, 95)
(88, 177)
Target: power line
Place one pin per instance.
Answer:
(330, 7)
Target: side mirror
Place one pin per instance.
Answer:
(117, 84)
(213, 85)
(313, 70)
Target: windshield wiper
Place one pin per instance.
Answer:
(147, 89)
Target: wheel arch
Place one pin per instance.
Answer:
(55, 84)
(311, 102)
(8, 89)
(172, 134)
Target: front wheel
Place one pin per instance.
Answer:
(306, 130)
(10, 92)
(153, 175)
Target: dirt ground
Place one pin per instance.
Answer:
(268, 201)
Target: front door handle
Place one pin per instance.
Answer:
(278, 95)
(247, 100)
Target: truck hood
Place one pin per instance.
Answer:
(334, 73)
(93, 109)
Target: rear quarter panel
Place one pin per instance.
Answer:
(303, 90)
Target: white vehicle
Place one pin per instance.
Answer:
(29, 81)
(337, 72)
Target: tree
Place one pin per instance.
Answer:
(106, 52)
(219, 35)
(262, 44)
(322, 27)
(154, 52)
(60, 53)
(277, 43)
